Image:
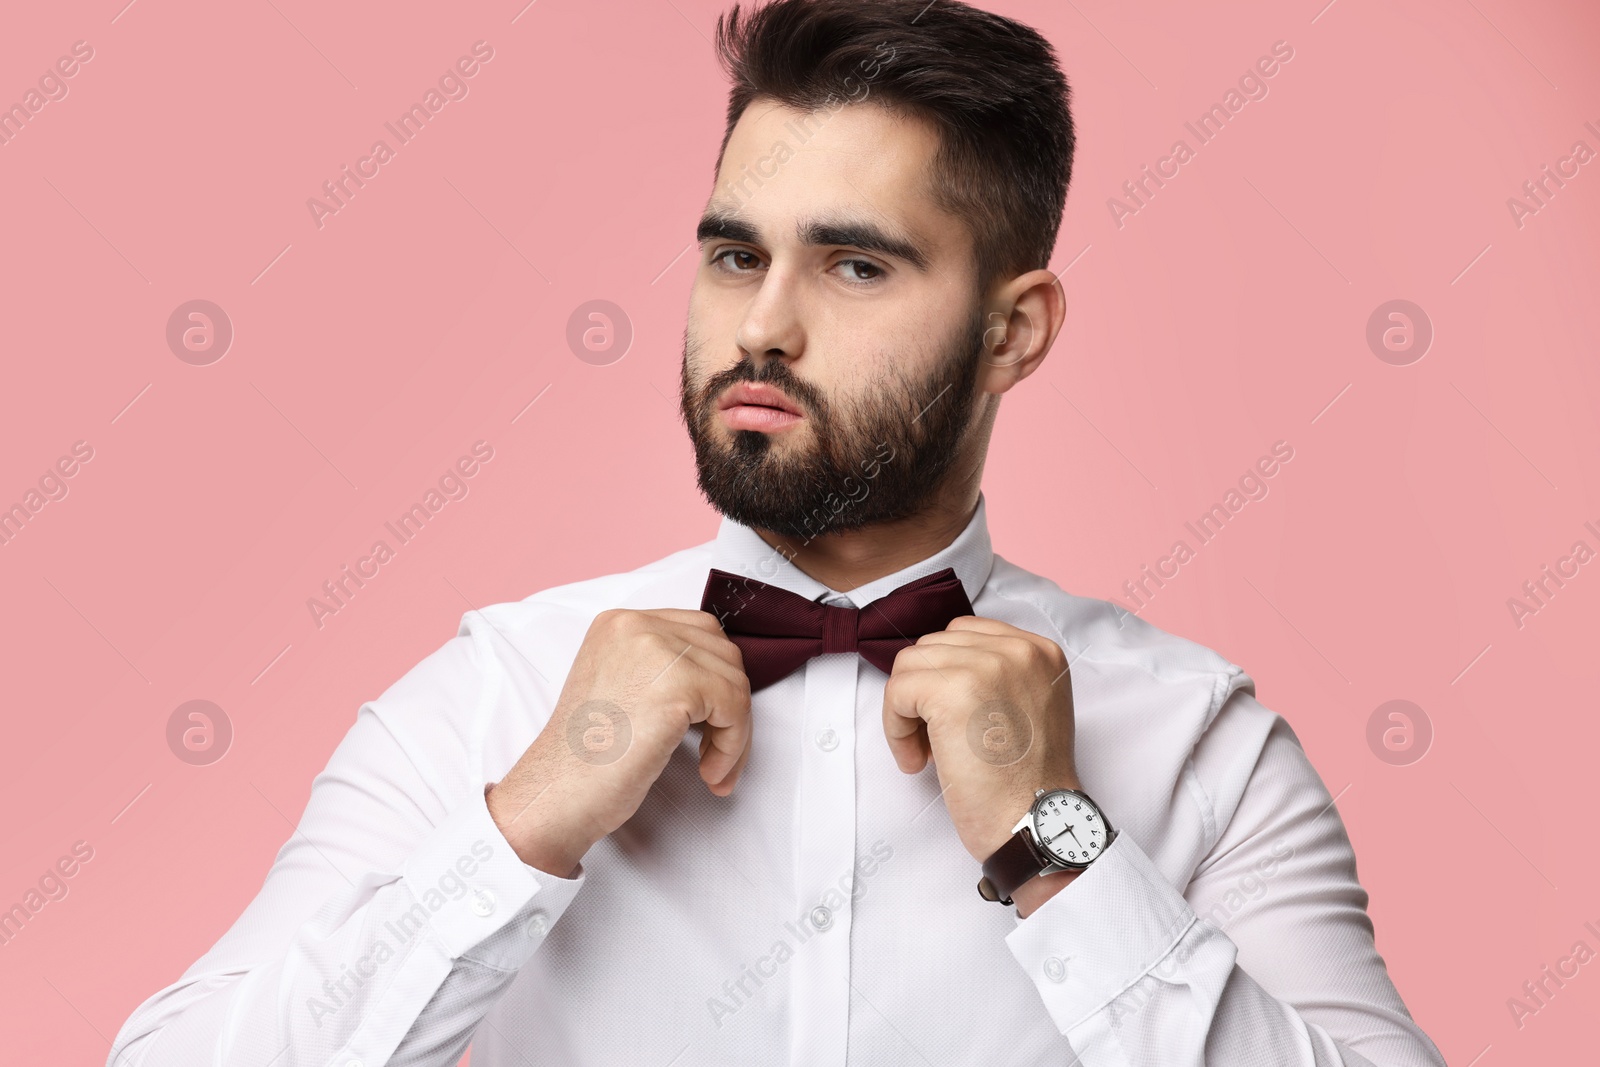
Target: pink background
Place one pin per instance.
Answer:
(1228, 313)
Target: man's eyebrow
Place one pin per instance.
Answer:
(722, 224)
(834, 230)
(858, 233)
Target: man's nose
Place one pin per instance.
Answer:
(771, 326)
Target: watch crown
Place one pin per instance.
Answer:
(1038, 792)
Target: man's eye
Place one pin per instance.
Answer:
(749, 261)
(856, 266)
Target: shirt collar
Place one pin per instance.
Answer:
(738, 549)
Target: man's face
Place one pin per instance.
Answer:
(830, 282)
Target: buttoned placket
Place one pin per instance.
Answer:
(825, 835)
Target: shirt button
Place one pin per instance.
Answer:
(827, 740)
(821, 917)
(537, 925)
(482, 902)
(354, 1063)
(1055, 969)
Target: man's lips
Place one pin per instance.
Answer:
(756, 394)
(755, 406)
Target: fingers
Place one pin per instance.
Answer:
(903, 725)
(723, 786)
(727, 728)
(721, 701)
(692, 656)
(713, 672)
(975, 629)
(911, 748)
(1009, 639)
(700, 620)
(699, 628)
(955, 656)
(1005, 653)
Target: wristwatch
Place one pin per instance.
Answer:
(1063, 831)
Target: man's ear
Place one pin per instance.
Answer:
(1020, 325)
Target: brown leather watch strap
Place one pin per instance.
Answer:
(1013, 863)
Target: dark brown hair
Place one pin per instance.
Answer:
(990, 85)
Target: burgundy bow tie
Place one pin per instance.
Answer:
(777, 631)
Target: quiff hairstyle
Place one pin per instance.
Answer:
(990, 85)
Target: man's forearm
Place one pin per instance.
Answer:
(1130, 974)
(454, 918)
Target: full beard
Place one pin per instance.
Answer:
(877, 459)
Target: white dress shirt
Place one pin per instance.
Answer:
(826, 912)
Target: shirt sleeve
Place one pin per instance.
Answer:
(393, 918)
(1266, 958)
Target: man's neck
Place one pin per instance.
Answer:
(848, 559)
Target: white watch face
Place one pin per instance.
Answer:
(1069, 827)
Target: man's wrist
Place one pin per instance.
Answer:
(1031, 895)
(533, 847)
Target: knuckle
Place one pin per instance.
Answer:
(653, 641)
(683, 707)
(617, 621)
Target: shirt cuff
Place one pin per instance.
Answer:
(1100, 934)
(477, 896)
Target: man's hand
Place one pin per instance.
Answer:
(992, 705)
(639, 681)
